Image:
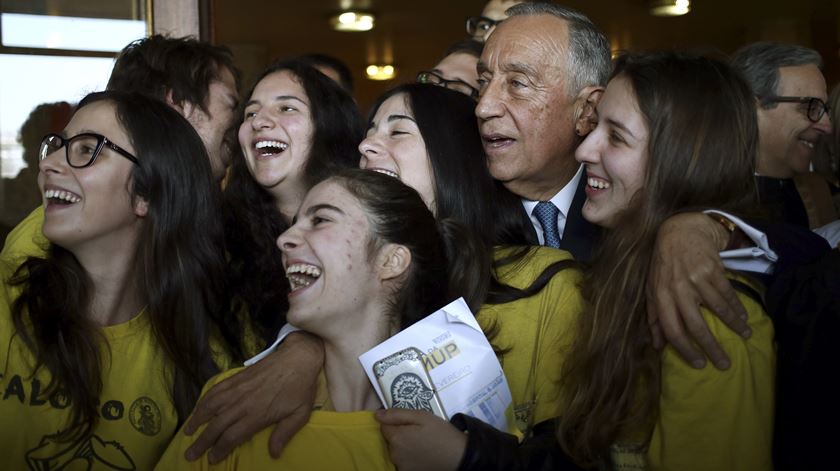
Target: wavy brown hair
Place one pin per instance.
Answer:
(252, 220)
(701, 121)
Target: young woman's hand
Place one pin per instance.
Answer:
(279, 390)
(419, 440)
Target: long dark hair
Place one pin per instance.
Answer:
(252, 220)
(701, 152)
(466, 192)
(179, 271)
(398, 215)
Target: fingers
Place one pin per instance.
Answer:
(211, 433)
(400, 416)
(208, 406)
(721, 303)
(698, 330)
(286, 429)
(233, 436)
(735, 314)
(674, 330)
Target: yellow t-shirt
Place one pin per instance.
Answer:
(329, 441)
(27, 238)
(534, 331)
(137, 417)
(712, 419)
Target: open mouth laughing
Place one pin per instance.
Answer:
(302, 275)
(268, 149)
(61, 197)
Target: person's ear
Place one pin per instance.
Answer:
(141, 207)
(586, 113)
(394, 260)
(184, 108)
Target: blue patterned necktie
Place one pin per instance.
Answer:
(546, 214)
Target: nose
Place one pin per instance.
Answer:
(489, 102)
(370, 149)
(588, 151)
(54, 162)
(289, 240)
(261, 120)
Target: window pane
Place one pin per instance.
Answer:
(27, 82)
(62, 32)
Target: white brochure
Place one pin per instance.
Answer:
(460, 361)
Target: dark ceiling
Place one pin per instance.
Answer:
(413, 34)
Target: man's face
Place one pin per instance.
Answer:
(222, 101)
(526, 114)
(786, 135)
(459, 66)
(494, 10)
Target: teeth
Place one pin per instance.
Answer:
(596, 183)
(386, 172)
(301, 275)
(807, 143)
(62, 195)
(280, 145)
(310, 270)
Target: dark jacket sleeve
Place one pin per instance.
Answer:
(489, 449)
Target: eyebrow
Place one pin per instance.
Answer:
(397, 117)
(278, 98)
(312, 209)
(392, 118)
(619, 125)
(521, 68)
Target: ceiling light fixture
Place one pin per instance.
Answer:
(670, 7)
(352, 21)
(380, 72)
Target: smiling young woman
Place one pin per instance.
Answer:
(676, 132)
(367, 258)
(297, 125)
(106, 340)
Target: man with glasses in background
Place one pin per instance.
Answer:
(480, 27)
(790, 95)
(457, 70)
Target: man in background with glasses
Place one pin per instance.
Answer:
(457, 70)
(791, 99)
(480, 27)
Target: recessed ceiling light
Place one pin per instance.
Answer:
(670, 7)
(380, 72)
(352, 21)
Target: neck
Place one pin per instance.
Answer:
(348, 385)
(548, 185)
(114, 295)
(768, 167)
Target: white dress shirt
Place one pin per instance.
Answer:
(563, 201)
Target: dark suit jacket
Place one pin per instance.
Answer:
(580, 237)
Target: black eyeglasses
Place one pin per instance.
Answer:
(457, 85)
(82, 149)
(816, 107)
(478, 26)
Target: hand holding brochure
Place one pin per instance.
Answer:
(464, 370)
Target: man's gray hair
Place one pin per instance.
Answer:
(589, 52)
(759, 63)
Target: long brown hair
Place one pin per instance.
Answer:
(179, 272)
(703, 136)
